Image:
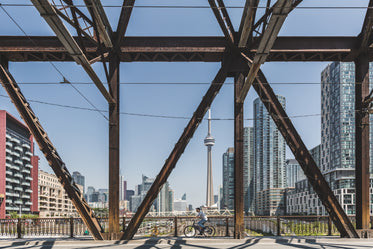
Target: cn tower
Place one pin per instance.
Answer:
(209, 142)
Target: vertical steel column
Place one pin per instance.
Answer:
(177, 151)
(362, 142)
(304, 158)
(114, 62)
(239, 79)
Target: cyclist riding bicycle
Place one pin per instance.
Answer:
(203, 219)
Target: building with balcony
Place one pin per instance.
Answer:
(18, 167)
(337, 151)
(269, 162)
(53, 200)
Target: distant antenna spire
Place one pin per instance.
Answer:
(209, 142)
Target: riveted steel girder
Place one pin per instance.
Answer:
(247, 22)
(280, 11)
(50, 152)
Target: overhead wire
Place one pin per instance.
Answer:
(145, 115)
(184, 83)
(53, 65)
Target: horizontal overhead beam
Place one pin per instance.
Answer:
(48, 48)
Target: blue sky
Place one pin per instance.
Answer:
(81, 137)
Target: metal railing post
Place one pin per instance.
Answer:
(19, 228)
(227, 227)
(71, 227)
(330, 226)
(175, 224)
(278, 226)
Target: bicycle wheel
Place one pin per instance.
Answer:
(189, 231)
(209, 231)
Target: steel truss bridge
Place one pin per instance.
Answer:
(241, 53)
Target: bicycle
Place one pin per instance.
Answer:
(191, 230)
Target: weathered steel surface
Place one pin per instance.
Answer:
(247, 22)
(227, 29)
(209, 49)
(176, 152)
(50, 152)
(277, 19)
(47, 11)
(124, 19)
(114, 166)
(239, 225)
(303, 157)
(100, 21)
(362, 148)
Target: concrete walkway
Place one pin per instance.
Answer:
(196, 243)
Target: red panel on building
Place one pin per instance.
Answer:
(21, 133)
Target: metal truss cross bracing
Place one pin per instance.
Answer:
(241, 53)
(50, 152)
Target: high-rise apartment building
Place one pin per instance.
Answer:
(228, 180)
(122, 189)
(164, 201)
(18, 168)
(79, 179)
(303, 199)
(269, 159)
(338, 131)
(53, 200)
(248, 169)
(337, 151)
(294, 173)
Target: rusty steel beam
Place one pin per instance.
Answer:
(263, 19)
(217, 44)
(303, 156)
(124, 19)
(226, 17)
(178, 150)
(47, 11)
(114, 143)
(362, 147)
(209, 49)
(222, 20)
(280, 11)
(239, 225)
(72, 22)
(101, 21)
(50, 152)
(247, 22)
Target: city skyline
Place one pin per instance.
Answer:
(66, 126)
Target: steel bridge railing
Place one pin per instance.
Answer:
(173, 226)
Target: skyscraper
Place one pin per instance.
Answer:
(269, 158)
(18, 168)
(164, 201)
(79, 179)
(122, 189)
(209, 142)
(228, 179)
(294, 173)
(338, 131)
(248, 169)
